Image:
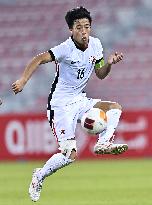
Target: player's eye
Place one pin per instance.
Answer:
(81, 27)
(78, 27)
(87, 27)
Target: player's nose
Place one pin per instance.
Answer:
(83, 31)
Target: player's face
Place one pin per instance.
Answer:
(81, 31)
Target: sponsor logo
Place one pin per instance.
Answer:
(73, 62)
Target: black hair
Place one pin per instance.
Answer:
(77, 13)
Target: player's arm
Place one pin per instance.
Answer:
(30, 69)
(102, 69)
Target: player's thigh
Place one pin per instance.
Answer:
(107, 105)
(86, 104)
(89, 103)
(64, 123)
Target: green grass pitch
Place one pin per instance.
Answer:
(102, 182)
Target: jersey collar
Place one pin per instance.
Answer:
(76, 45)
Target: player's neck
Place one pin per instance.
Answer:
(78, 46)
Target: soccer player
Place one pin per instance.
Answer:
(76, 58)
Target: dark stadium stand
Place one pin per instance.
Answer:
(30, 27)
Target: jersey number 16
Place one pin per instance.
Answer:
(80, 73)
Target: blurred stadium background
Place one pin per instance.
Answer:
(30, 27)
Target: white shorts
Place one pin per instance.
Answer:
(63, 119)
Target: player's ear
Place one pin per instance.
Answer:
(70, 31)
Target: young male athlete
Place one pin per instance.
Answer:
(76, 58)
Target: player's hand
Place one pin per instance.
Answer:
(18, 86)
(115, 58)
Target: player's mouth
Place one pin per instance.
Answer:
(84, 39)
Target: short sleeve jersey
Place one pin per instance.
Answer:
(74, 70)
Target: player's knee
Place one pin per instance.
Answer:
(73, 155)
(69, 149)
(115, 106)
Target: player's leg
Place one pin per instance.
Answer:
(105, 141)
(64, 129)
(56, 162)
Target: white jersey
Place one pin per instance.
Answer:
(75, 68)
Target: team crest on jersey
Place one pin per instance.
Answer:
(92, 59)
